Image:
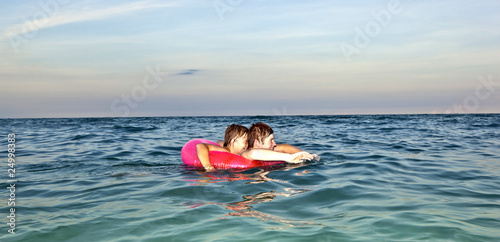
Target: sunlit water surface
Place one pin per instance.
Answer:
(380, 178)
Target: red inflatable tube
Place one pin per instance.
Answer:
(221, 160)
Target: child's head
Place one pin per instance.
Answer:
(261, 135)
(235, 133)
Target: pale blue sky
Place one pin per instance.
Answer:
(95, 58)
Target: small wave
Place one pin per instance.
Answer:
(130, 174)
(452, 146)
(414, 150)
(351, 141)
(134, 129)
(332, 156)
(371, 157)
(138, 163)
(389, 129)
(156, 153)
(168, 148)
(119, 154)
(493, 125)
(45, 167)
(83, 136)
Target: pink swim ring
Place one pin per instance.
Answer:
(221, 160)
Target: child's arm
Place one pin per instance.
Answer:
(290, 149)
(269, 155)
(202, 150)
(286, 148)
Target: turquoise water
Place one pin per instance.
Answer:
(380, 178)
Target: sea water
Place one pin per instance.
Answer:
(380, 178)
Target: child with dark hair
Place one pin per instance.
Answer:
(235, 141)
(261, 136)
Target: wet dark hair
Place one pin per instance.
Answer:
(233, 132)
(258, 131)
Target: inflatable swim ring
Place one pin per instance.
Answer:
(221, 160)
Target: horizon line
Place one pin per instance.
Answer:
(259, 115)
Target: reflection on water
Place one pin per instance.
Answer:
(259, 176)
(245, 208)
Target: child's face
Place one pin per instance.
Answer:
(240, 144)
(267, 144)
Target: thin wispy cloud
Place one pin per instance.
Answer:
(59, 16)
(188, 72)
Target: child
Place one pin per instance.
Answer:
(235, 141)
(261, 136)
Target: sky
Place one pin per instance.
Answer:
(89, 58)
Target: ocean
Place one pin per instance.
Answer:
(380, 178)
